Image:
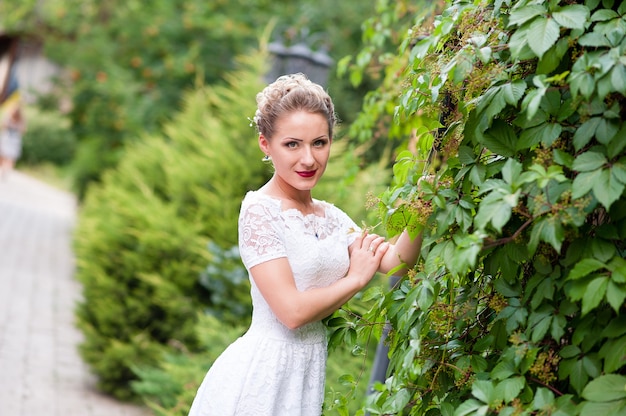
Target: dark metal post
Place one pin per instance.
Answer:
(299, 58)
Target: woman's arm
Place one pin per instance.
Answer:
(295, 308)
(405, 252)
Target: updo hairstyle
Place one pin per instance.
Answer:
(291, 93)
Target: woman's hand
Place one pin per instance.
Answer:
(365, 255)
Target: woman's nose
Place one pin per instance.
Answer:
(307, 156)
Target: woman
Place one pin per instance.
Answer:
(12, 127)
(305, 259)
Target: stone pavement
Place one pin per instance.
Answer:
(41, 372)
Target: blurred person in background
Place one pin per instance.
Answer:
(13, 126)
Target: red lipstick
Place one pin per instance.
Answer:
(307, 174)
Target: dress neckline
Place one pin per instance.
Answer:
(279, 203)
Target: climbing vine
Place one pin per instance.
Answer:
(515, 110)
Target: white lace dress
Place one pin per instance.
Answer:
(272, 370)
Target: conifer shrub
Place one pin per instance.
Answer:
(143, 233)
(48, 139)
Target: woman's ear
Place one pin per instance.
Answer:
(264, 144)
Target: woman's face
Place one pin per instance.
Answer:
(299, 149)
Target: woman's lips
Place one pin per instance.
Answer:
(307, 174)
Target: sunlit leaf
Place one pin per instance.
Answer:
(524, 14)
(614, 353)
(510, 388)
(571, 16)
(594, 294)
(607, 189)
(589, 161)
(483, 390)
(615, 295)
(606, 388)
(585, 267)
(618, 78)
(542, 34)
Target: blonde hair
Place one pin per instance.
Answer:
(291, 93)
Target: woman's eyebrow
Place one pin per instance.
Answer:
(323, 136)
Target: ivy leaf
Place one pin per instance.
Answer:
(504, 369)
(513, 91)
(511, 171)
(606, 388)
(532, 101)
(589, 161)
(483, 390)
(583, 183)
(616, 146)
(614, 353)
(548, 229)
(607, 189)
(470, 406)
(581, 82)
(542, 34)
(557, 329)
(569, 351)
(553, 57)
(606, 131)
(544, 400)
(585, 132)
(500, 139)
(584, 268)
(518, 44)
(572, 16)
(524, 14)
(510, 388)
(549, 133)
(615, 295)
(563, 158)
(594, 294)
(594, 40)
(603, 15)
(618, 78)
(617, 266)
(613, 408)
(541, 326)
(397, 401)
(493, 209)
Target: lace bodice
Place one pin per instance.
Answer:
(316, 248)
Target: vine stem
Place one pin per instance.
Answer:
(559, 393)
(442, 362)
(510, 238)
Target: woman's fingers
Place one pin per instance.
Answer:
(372, 243)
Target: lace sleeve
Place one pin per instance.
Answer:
(260, 238)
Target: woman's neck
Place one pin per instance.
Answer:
(301, 200)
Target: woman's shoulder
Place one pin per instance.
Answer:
(259, 200)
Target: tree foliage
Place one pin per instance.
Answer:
(127, 63)
(516, 109)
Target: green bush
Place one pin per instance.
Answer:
(48, 138)
(169, 387)
(142, 235)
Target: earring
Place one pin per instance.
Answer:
(266, 158)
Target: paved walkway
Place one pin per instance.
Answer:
(41, 372)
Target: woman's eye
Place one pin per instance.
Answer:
(319, 143)
(292, 145)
